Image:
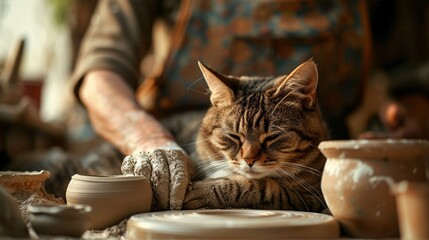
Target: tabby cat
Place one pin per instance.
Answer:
(257, 143)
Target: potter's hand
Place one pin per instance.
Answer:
(398, 122)
(167, 169)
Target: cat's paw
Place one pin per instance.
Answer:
(202, 194)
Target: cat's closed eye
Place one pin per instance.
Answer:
(233, 136)
(271, 138)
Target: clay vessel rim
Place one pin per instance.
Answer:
(101, 192)
(44, 209)
(356, 144)
(43, 174)
(108, 178)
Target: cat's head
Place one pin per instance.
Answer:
(261, 127)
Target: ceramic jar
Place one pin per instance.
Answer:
(412, 201)
(357, 181)
(61, 220)
(112, 198)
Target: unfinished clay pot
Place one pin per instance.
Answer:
(112, 198)
(357, 177)
(60, 220)
(412, 201)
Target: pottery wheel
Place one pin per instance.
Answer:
(231, 224)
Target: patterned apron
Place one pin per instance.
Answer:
(263, 38)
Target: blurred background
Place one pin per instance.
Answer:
(39, 40)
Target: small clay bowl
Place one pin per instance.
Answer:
(112, 198)
(357, 180)
(60, 220)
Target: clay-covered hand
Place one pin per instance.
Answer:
(167, 168)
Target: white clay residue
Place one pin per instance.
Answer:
(401, 187)
(335, 167)
(376, 180)
(361, 170)
(338, 168)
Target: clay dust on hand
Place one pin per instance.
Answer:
(167, 170)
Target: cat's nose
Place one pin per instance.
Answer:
(250, 161)
(250, 151)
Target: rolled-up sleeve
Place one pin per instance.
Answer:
(119, 34)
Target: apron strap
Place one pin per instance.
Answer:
(148, 91)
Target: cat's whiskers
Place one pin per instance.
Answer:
(283, 177)
(305, 185)
(210, 166)
(302, 167)
(313, 145)
(196, 142)
(215, 155)
(195, 90)
(213, 167)
(197, 123)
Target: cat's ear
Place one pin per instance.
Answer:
(303, 80)
(219, 85)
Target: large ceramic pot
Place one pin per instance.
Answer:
(112, 198)
(357, 181)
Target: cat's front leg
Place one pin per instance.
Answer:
(224, 193)
(203, 194)
(241, 192)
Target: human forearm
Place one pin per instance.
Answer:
(116, 115)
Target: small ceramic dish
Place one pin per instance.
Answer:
(60, 220)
